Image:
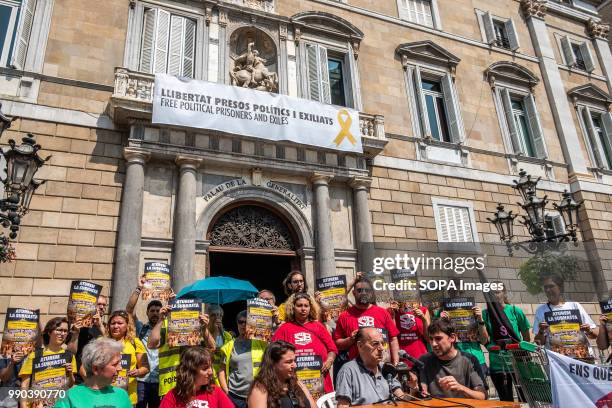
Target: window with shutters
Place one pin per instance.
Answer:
(419, 11)
(554, 225)
(498, 31)
(16, 21)
(522, 123)
(436, 104)
(577, 54)
(597, 127)
(327, 73)
(168, 43)
(454, 221)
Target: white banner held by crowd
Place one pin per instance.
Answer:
(578, 384)
(260, 114)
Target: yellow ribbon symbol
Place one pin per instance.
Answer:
(344, 119)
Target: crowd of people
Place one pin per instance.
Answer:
(129, 363)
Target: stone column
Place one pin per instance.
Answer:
(324, 241)
(599, 33)
(534, 11)
(183, 256)
(363, 222)
(127, 259)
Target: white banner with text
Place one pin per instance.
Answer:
(207, 105)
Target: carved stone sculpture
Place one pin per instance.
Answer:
(534, 8)
(250, 71)
(598, 30)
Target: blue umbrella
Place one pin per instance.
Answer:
(219, 290)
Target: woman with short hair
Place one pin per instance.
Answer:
(32, 372)
(276, 385)
(101, 361)
(194, 383)
(307, 334)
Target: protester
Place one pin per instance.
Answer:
(121, 328)
(80, 336)
(307, 334)
(170, 357)
(269, 297)
(448, 373)
(54, 335)
(501, 370)
(295, 282)
(241, 362)
(9, 370)
(277, 385)
(222, 337)
(603, 342)
(194, 385)
(412, 323)
(553, 287)
(101, 361)
(474, 346)
(148, 386)
(361, 381)
(365, 313)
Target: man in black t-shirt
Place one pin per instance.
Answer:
(447, 373)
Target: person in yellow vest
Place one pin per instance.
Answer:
(241, 362)
(215, 327)
(134, 362)
(51, 367)
(170, 357)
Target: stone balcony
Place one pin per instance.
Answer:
(132, 99)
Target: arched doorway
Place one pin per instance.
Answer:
(251, 241)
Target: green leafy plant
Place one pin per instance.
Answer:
(547, 264)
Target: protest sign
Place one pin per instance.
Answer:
(408, 299)
(606, 309)
(184, 328)
(259, 319)
(82, 302)
(333, 295)
(461, 314)
(157, 282)
(565, 335)
(122, 379)
(20, 331)
(49, 373)
(308, 371)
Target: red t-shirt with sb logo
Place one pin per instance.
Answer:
(354, 318)
(411, 332)
(312, 338)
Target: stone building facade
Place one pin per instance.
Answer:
(454, 100)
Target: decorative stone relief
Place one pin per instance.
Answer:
(263, 5)
(254, 56)
(598, 30)
(534, 8)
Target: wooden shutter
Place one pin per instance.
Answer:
(455, 224)
(312, 66)
(591, 135)
(487, 21)
(189, 48)
(606, 123)
(162, 31)
(512, 126)
(148, 41)
(175, 49)
(587, 57)
(566, 47)
(512, 35)
(26, 21)
(324, 75)
(420, 99)
(452, 108)
(533, 119)
(403, 9)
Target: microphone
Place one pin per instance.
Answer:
(389, 371)
(416, 363)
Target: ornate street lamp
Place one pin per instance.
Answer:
(22, 163)
(535, 218)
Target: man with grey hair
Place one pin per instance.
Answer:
(101, 360)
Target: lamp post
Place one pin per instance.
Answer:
(22, 163)
(535, 218)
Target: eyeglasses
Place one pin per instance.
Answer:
(376, 344)
(363, 290)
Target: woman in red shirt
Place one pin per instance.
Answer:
(307, 334)
(194, 383)
(412, 323)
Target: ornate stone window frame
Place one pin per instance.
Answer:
(517, 81)
(588, 99)
(133, 42)
(339, 37)
(427, 59)
(29, 74)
